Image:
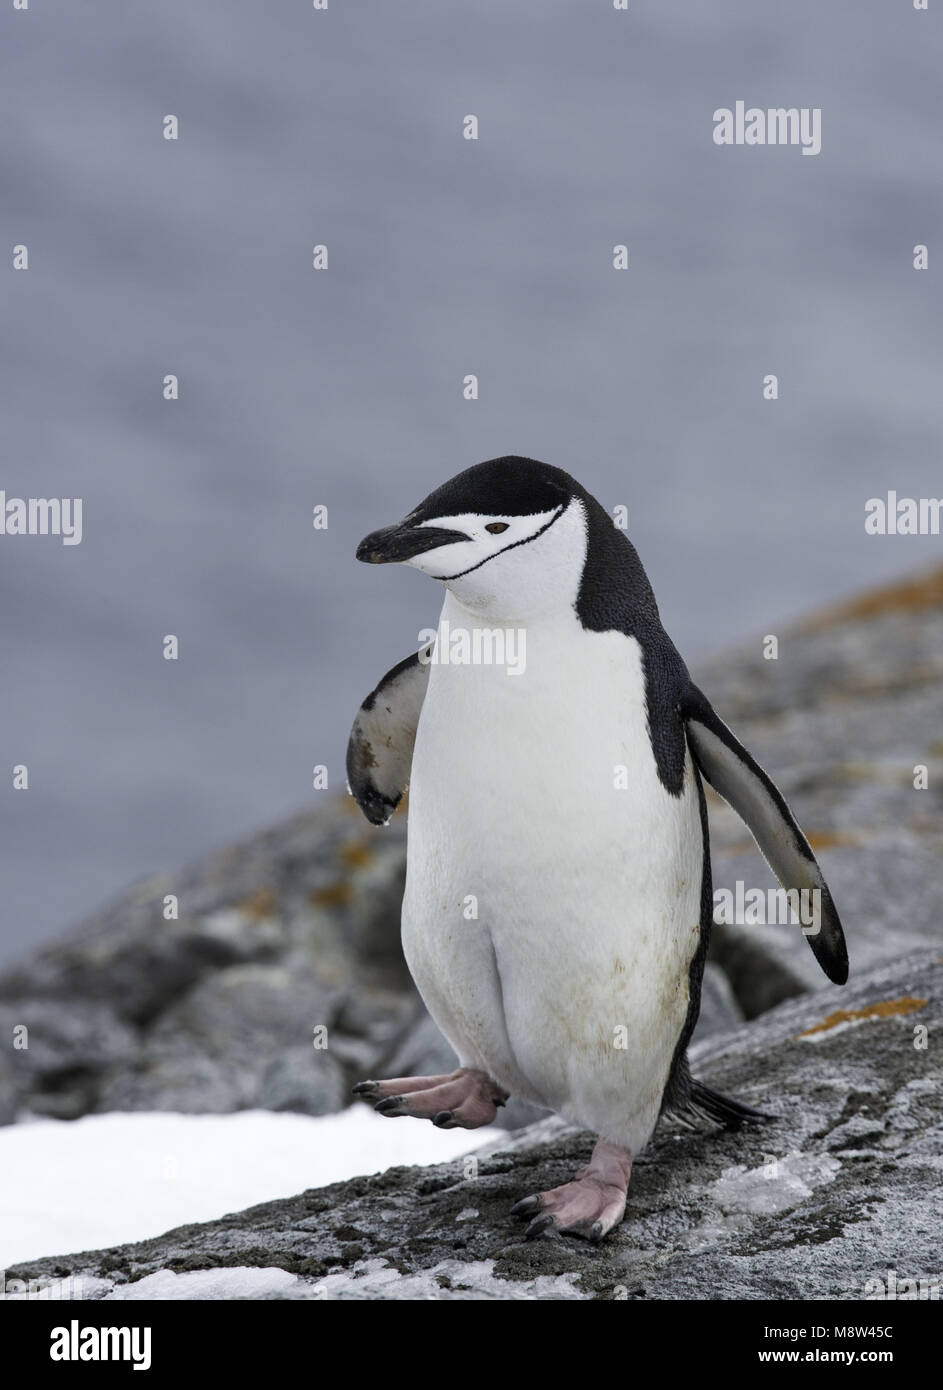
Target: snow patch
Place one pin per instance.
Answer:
(112, 1179)
(449, 1280)
(778, 1185)
(239, 1282)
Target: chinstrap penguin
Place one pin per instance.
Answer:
(558, 899)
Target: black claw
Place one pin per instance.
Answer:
(386, 1106)
(525, 1206)
(542, 1226)
(443, 1120)
(596, 1233)
(364, 1088)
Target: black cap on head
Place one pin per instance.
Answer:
(509, 486)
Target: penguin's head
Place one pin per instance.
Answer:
(507, 537)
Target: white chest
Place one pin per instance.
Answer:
(553, 885)
(512, 770)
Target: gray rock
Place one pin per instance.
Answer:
(719, 1010)
(190, 1084)
(839, 1188)
(879, 645)
(889, 899)
(319, 882)
(840, 721)
(83, 1035)
(60, 1050)
(9, 1093)
(419, 1050)
(136, 1011)
(240, 1040)
(303, 1079)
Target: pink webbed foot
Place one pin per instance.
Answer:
(588, 1206)
(465, 1099)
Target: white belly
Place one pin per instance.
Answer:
(552, 902)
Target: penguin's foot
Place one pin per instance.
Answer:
(588, 1206)
(465, 1099)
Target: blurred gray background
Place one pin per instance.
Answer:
(345, 388)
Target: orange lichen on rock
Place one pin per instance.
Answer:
(833, 839)
(887, 1008)
(908, 595)
(332, 894)
(260, 905)
(355, 854)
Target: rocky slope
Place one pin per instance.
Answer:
(842, 1186)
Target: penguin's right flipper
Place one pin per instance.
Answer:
(741, 781)
(380, 748)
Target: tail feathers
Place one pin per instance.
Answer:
(705, 1104)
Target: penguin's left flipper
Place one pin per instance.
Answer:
(740, 780)
(380, 748)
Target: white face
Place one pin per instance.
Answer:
(522, 566)
(448, 561)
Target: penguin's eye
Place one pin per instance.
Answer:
(496, 527)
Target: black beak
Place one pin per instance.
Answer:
(393, 544)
